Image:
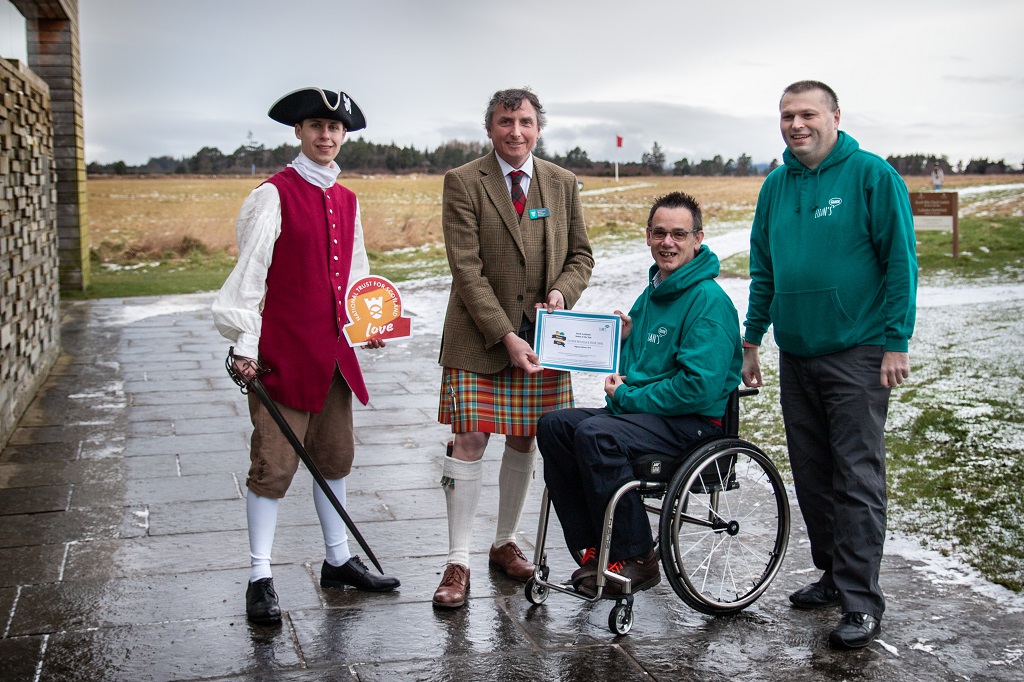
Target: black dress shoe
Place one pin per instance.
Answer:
(815, 596)
(855, 631)
(261, 602)
(353, 573)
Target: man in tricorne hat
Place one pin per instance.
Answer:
(283, 304)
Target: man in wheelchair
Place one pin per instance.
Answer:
(681, 357)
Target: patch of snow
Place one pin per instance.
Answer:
(952, 571)
(921, 645)
(983, 189)
(888, 647)
(135, 310)
(612, 190)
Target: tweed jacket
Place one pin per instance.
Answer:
(488, 261)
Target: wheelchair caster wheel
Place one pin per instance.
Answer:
(535, 592)
(620, 620)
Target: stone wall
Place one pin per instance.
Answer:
(29, 262)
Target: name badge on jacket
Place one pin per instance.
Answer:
(540, 213)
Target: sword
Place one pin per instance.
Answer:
(254, 385)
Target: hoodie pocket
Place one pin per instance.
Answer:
(810, 323)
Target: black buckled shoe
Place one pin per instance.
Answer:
(353, 573)
(815, 596)
(261, 604)
(855, 631)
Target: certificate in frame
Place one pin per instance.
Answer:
(578, 342)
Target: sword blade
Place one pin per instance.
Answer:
(257, 387)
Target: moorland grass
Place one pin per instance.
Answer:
(156, 278)
(176, 220)
(990, 246)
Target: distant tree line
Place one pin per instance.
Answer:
(361, 156)
(922, 164)
(358, 155)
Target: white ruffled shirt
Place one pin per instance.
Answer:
(237, 310)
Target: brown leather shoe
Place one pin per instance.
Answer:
(510, 559)
(451, 593)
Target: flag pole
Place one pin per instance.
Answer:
(618, 144)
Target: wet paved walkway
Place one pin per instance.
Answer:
(123, 550)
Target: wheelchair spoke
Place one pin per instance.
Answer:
(725, 525)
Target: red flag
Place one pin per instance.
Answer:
(618, 141)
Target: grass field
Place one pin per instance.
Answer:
(149, 218)
(179, 232)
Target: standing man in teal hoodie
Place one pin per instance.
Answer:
(680, 360)
(833, 267)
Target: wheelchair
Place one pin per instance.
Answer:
(722, 531)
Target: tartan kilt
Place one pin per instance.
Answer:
(508, 402)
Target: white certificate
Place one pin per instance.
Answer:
(578, 342)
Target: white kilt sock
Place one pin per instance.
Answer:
(513, 483)
(462, 482)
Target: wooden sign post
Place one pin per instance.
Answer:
(937, 211)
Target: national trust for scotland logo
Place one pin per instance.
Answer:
(374, 309)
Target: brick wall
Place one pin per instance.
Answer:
(29, 262)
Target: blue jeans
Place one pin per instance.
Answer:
(588, 454)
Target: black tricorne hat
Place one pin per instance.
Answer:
(296, 107)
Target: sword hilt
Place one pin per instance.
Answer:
(237, 376)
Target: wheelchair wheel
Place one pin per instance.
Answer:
(535, 592)
(620, 619)
(724, 526)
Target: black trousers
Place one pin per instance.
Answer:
(834, 408)
(587, 457)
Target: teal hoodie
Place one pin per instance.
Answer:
(683, 355)
(833, 260)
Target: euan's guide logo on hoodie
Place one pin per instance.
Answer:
(655, 337)
(826, 212)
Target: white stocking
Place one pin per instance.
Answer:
(335, 535)
(261, 513)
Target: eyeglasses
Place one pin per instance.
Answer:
(659, 233)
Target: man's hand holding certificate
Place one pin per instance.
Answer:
(579, 342)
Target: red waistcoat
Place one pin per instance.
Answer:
(304, 309)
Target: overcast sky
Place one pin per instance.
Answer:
(700, 78)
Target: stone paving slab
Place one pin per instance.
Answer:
(180, 650)
(29, 565)
(579, 665)
(81, 604)
(124, 552)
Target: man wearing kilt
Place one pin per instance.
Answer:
(516, 241)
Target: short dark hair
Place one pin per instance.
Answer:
(806, 86)
(678, 200)
(512, 99)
